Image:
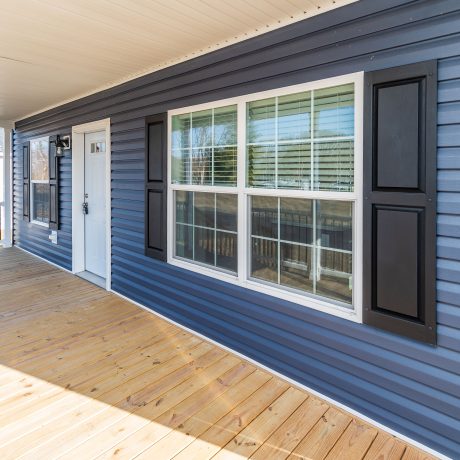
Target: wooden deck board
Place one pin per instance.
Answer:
(85, 374)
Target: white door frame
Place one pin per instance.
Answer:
(78, 190)
(6, 184)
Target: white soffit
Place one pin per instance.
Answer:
(55, 51)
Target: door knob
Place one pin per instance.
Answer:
(85, 208)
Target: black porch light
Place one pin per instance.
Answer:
(62, 144)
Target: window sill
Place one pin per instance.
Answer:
(350, 314)
(41, 224)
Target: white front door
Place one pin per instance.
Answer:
(95, 204)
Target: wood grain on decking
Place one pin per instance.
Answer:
(85, 374)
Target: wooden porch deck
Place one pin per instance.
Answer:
(85, 374)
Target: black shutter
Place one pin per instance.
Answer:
(155, 187)
(53, 185)
(26, 181)
(400, 200)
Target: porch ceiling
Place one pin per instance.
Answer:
(54, 51)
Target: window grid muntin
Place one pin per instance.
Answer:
(320, 303)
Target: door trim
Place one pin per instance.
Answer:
(78, 176)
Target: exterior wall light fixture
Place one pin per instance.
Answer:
(62, 143)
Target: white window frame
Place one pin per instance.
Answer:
(353, 313)
(34, 181)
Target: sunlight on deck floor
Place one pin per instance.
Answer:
(85, 374)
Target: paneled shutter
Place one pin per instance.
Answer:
(400, 200)
(155, 187)
(26, 181)
(53, 185)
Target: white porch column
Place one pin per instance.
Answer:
(6, 217)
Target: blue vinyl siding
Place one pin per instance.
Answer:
(408, 386)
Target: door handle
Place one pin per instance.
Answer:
(85, 208)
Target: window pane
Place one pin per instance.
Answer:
(204, 209)
(334, 279)
(180, 131)
(296, 267)
(201, 166)
(225, 125)
(204, 245)
(225, 164)
(184, 241)
(41, 202)
(227, 212)
(334, 111)
(262, 166)
(280, 144)
(39, 159)
(334, 166)
(264, 259)
(264, 216)
(226, 251)
(294, 166)
(202, 128)
(334, 224)
(294, 117)
(184, 207)
(180, 165)
(296, 220)
(204, 147)
(261, 121)
(206, 228)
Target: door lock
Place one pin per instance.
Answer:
(85, 208)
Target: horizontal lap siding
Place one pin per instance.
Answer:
(411, 387)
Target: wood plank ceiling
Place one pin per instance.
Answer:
(54, 51)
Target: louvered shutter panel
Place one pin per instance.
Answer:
(53, 185)
(26, 181)
(400, 200)
(155, 187)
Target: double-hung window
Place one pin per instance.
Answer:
(39, 181)
(265, 192)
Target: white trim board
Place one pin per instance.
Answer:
(78, 223)
(346, 408)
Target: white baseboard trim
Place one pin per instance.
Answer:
(291, 381)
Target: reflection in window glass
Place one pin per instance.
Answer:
(264, 216)
(39, 159)
(334, 275)
(204, 147)
(303, 244)
(334, 223)
(41, 203)
(296, 269)
(206, 228)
